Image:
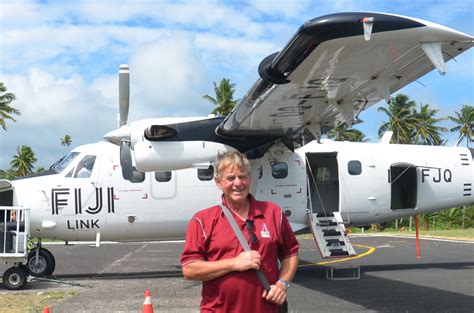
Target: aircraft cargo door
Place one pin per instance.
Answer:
(163, 185)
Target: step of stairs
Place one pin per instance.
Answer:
(330, 237)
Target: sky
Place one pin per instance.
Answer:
(61, 60)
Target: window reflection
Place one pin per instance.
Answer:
(85, 166)
(163, 177)
(279, 170)
(206, 174)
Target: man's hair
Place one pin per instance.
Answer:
(232, 158)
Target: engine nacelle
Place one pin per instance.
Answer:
(152, 156)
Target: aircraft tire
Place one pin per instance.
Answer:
(46, 263)
(14, 278)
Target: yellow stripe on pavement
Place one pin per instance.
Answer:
(370, 250)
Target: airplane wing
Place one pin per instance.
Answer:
(336, 66)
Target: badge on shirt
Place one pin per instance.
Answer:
(264, 231)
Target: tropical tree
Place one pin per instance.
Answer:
(424, 128)
(465, 128)
(465, 123)
(22, 163)
(6, 110)
(224, 99)
(400, 119)
(343, 133)
(66, 142)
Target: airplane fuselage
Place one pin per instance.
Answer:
(365, 183)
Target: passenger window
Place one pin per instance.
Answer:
(323, 174)
(206, 174)
(279, 170)
(137, 176)
(85, 166)
(163, 177)
(354, 167)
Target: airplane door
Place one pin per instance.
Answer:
(323, 180)
(281, 178)
(365, 189)
(163, 185)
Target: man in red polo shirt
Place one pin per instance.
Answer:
(213, 254)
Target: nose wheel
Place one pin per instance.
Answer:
(43, 265)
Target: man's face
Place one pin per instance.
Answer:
(235, 184)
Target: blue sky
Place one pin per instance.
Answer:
(61, 58)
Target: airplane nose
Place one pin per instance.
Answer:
(116, 136)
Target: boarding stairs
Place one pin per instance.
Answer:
(330, 235)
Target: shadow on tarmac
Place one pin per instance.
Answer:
(388, 295)
(127, 275)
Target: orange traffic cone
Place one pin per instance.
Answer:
(46, 309)
(147, 305)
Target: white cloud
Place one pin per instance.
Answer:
(168, 73)
(281, 8)
(61, 58)
(52, 107)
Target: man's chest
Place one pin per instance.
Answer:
(223, 242)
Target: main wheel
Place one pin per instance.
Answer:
(14, 278)
(45, 264)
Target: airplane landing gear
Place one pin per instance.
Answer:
(40, 262)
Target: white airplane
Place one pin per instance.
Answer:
(333, 68)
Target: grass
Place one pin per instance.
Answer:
(448, 233)
(463, 234)
(459, 234)
(31, 302)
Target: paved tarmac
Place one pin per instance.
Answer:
(114, 277)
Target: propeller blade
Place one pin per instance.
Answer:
(126, 160)
(124, 93)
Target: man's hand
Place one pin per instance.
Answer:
(247, 260)
(277, 294)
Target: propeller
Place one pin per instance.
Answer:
(126, 160)
(124, 93)
(123, 130)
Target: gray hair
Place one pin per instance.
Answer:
(232, 158)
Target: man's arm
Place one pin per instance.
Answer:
(277, 293)
(288, 268)
(207, 270)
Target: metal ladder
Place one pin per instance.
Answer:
(329, 234)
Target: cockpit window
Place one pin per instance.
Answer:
(85, 166)
(64, 162)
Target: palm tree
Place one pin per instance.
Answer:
(343, 133)
(425, 131)
(66, 142)
(224, 99)
(22, 163)
(465, 123)
(6, 111)
(400, 119)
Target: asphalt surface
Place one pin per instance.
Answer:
(114, 277)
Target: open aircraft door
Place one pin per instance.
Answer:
(324, 205)
(323, 182)
(403, 186)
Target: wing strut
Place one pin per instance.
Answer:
(435, 54)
